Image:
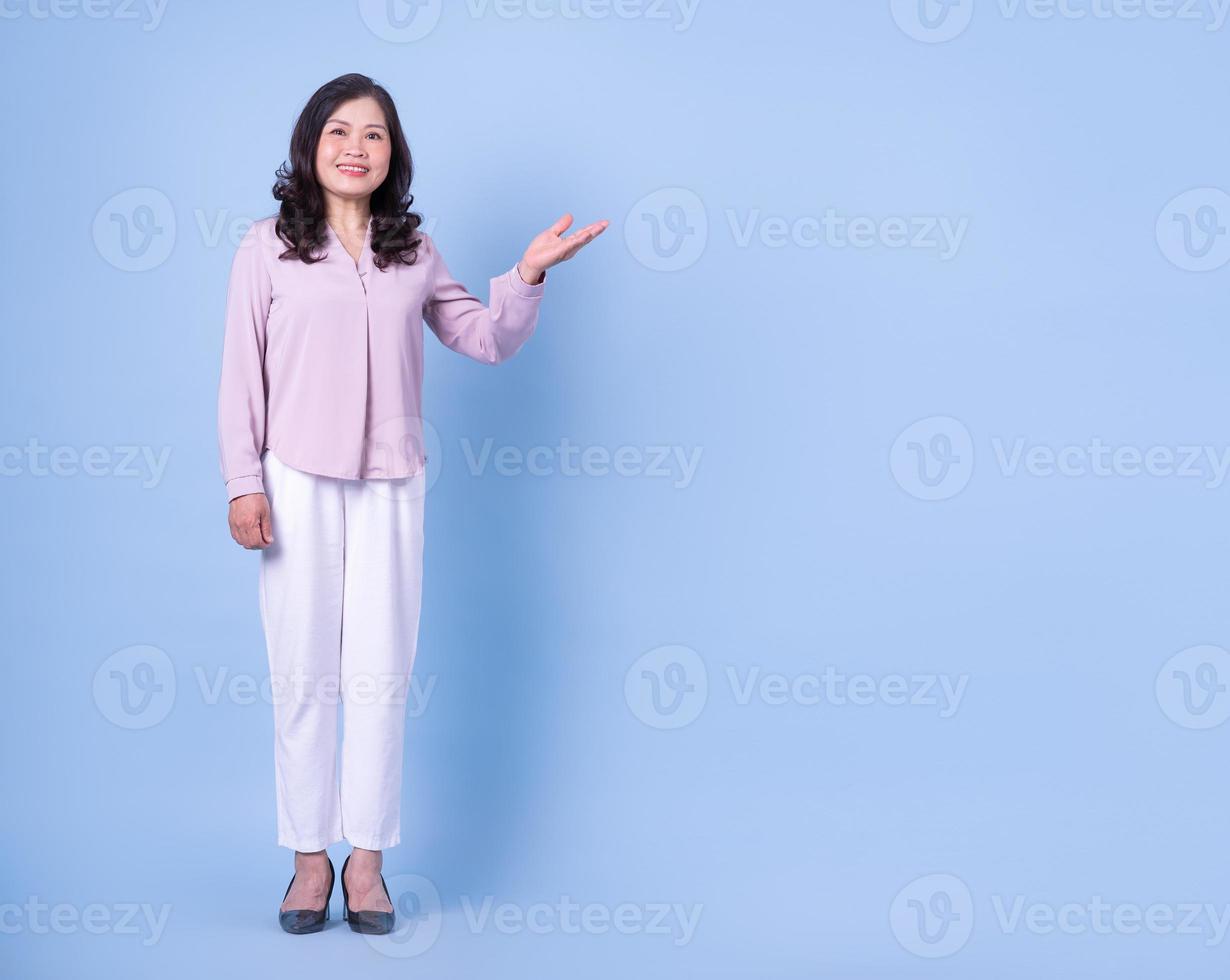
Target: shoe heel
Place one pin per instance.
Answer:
(345, 894)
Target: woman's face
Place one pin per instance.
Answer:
(352, 157)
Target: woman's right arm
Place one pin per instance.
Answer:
(242, 395)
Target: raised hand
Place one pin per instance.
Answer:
(548, 248)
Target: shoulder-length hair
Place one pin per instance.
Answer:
(301, 220)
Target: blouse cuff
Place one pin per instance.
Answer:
(523, 288)
(243, 485)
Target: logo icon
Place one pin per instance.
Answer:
(135, 229)
(1193, 232)
(400, 21)
(933, 459)
(667, 687)
(933, 916)
(667, 230)
(416, 904)
(1192, 687)
(401, 444)
(932, 21)
(134, 688)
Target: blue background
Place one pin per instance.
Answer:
(542, 766)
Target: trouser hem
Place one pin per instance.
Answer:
(374, 843)
(310, 846)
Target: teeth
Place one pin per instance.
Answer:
(355, 170)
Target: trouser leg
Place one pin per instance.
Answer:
(301, 609)
(380, 621)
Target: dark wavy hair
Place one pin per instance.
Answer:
(301, 220)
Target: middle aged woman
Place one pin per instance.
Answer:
(320, 441)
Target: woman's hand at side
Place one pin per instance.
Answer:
(548, 248)
(251, 523)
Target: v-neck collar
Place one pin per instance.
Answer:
(364, 263)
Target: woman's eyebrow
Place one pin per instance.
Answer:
(345, 123)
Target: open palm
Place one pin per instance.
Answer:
(549, 248)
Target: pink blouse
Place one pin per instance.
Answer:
(323, 363)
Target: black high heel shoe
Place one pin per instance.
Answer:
(367, 921)
(301, 921)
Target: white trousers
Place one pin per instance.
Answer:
(340, 594)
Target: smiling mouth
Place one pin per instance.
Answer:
(352, 170)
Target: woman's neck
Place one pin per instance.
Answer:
(348, 215)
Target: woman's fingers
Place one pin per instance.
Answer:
(250, 533)
(574, 243)
(561, 225)
(549, 248)
(568, 247)
(588, 233)
(245, 536)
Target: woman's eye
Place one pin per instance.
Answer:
(340, 132)
(375, 136)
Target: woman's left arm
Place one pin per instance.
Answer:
(494, 333)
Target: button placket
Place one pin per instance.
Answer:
(365, 259)
(363, 269)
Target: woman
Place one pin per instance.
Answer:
(320, 440)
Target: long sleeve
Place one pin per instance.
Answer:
(241, 390)
(489, 334)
